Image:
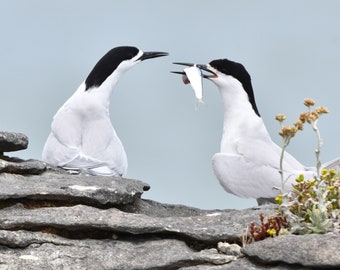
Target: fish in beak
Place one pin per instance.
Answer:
(193, 74)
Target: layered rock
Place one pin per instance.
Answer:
(311, 250)
(11, 141)
(58, 220)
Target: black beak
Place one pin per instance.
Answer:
(205, 68)
(149, 55)
(183, 64)
(202, 67)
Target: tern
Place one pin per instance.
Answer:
(248, 163)
(82, 137)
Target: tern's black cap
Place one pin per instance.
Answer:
(239, 72)
(108, 63)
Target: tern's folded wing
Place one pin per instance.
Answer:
(245, 178)
(249, 179)
(267, 153)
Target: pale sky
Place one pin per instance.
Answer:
(290, 48)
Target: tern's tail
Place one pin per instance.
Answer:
(331, 164)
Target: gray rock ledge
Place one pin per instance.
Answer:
(312, 250)
(210, 227)
(11, 141)
(24, 167)
(61, 187)
(44, 251)
(57, 220)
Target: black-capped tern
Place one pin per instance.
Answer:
(248, 163)
(82, 137)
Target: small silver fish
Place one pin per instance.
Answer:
(193, 75)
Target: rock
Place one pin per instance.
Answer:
(245, 264)
(229, 249)
(312, 250)
(210, 227)
(156, 209)
(22, 166)
(68, 189)
(11, 141)
(58, 220)
(53, 252)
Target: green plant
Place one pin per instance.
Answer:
(315, 201)
(312, 202)
(313, 205)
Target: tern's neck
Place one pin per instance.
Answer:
(240, 120)
(96, 98)
(106, 88)
(236, 105)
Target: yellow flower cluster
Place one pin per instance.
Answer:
(288, 131)
(271, 232)
(280, 117)
(299, 125)
(309, 117)
(279, 199)
(309, 102)
(321, 110)
(312, 116)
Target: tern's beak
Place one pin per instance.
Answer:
(182, 64)
(205, 68)
(149, 55)
(202, 67)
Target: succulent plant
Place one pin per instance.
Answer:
(313, 205)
